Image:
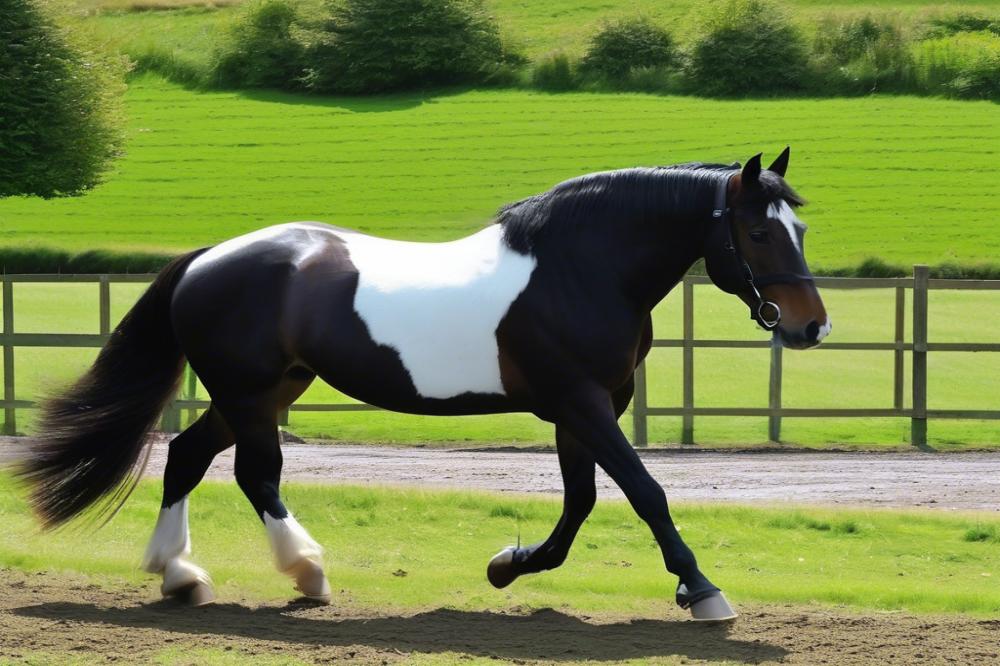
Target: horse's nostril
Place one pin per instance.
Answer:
(812, 330)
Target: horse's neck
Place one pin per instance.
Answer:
(642, 261)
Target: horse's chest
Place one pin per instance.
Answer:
(438, 306)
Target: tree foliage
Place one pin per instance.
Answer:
(60, 106)
(620, 47)
(261, 49)
(746, 46)
(379, 45)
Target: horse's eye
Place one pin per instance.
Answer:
(758, 236)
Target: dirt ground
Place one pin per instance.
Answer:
(967, 481)
(66, 615)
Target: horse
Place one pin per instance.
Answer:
(546, 310)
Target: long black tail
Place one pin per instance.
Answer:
(93, 433)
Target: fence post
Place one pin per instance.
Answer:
(918, 420)
(104, 291)
(687, 420)
(640, 435)
(900, 355)
(774, 391)
(10, 414)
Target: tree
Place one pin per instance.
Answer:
(377, 45)
(60, 105)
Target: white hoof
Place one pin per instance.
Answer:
(500, 571)
(713, 609)
(311, 581)
(187, 582)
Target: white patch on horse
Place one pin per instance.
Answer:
(439, 304)
(784, 214)
(290, 542)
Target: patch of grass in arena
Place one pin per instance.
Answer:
(982, 533)
(820, 378)
(202, 167)
(417, 549)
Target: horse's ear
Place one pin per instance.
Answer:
(751, 172)
(780, 165)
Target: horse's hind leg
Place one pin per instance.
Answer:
(258, 473)
(191, 452)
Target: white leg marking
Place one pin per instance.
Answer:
(169, 548)
(171, 538)
(290, 542)
(297, 554)
(439, 304)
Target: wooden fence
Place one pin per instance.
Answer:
(918, 413)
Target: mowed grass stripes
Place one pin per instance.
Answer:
(906, 179)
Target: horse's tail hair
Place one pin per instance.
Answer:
(92, 434)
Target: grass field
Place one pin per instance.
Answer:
(920, 561)
(536, 27)
(905, 179)
(734, 378)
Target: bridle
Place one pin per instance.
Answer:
(764, 312)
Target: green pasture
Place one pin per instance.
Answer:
(901, 178)
(186, 28)
(821, 378)
(400, 550)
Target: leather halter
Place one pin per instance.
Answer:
(764, 312)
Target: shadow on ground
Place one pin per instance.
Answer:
(544, 634)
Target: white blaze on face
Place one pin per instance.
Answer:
(439, 304)
(789, 220)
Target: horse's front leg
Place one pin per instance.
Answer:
(590, 416)
(577, 467)
(579, 495)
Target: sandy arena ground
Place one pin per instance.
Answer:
(64, 615)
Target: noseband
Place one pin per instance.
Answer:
(764, 312)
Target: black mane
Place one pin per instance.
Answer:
(641, 192)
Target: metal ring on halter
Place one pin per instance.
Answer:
(769, 324)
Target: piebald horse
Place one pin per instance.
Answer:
(545, 311)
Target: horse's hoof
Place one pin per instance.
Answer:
(713, 608)
(194, 595)
(500, 571)
(311, 581)
(187, 583)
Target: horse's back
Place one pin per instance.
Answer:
(407, 326)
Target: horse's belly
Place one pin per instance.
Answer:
(438, 306)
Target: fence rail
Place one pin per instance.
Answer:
(918, 413)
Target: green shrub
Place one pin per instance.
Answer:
(554, 72)
(262, 49)
(60, 105)
(743, 47)
(862, 54)
(368, 46)
(624, 46)
(965, 64)
(952, 24)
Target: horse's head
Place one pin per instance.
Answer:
(755, 250)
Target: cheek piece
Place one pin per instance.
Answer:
(764, 312)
